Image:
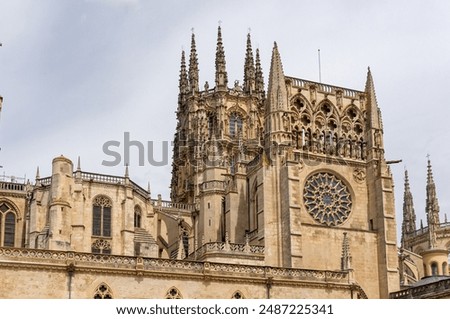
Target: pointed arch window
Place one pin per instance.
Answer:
(103, 292)
(237, 295)
(137, 217)
(434, 269)
(212, 123)
(235, 124)
(445, 268)
(173, 293)
(101, 217)
(7, 225)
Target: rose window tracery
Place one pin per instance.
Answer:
(327, 199)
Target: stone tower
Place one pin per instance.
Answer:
(218, 132)
(426, 246)
(294, 171)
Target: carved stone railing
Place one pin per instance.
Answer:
(424, 230)
(431, 290)
(44, 181)
(228, 248)
(22, 257)
(94, 177)
(10, 186)
(100, 178)
(168, 204)
(324, 88)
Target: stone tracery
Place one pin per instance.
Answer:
(327, 199)
(327, 131)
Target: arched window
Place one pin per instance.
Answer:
(212, 123)
(101, 246)
(137, 217)
(101, 217)
(103, 292)
(235, 124)
(7, 225)
(434, 269)
(237, 295)
(173, 293)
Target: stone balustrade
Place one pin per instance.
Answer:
(22, 257)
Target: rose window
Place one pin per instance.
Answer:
(327, 199)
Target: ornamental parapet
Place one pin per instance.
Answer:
(38, 258)
(226, 248)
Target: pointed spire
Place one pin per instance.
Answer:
(277, 93)
(409, 215)
(181, 254)
(259, 78)
(370, 89)
(193, 66)
(149, 190)
(346, 256)
(221, 72)
(126, 171)
(183, 86)
(78, 164)
(432, 205)
(37, 179)
(375, 140)
(249, 68)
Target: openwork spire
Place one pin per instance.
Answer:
(249, 68)
(432, 206)
(277, 93)
(259, 79)
(346, 256)
(193, 66)
(409, 215)
(221, 72)
(183, 75)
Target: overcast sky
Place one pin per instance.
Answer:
(76, 74)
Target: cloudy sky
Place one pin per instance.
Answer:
(77, 74)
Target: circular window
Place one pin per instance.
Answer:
(327, 199)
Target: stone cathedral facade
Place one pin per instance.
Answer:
(277, 192)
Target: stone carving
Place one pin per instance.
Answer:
(327, 199)
(359, 175)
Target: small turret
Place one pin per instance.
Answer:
(375, 126)
(183, 86)
(259, 78)
(432, 207)
(221, 72)
(249, 68)
(409, 215)
(346, 256)
(193, 67)
(61, 203)
(277, 119)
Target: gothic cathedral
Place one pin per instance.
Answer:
(277, 192)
